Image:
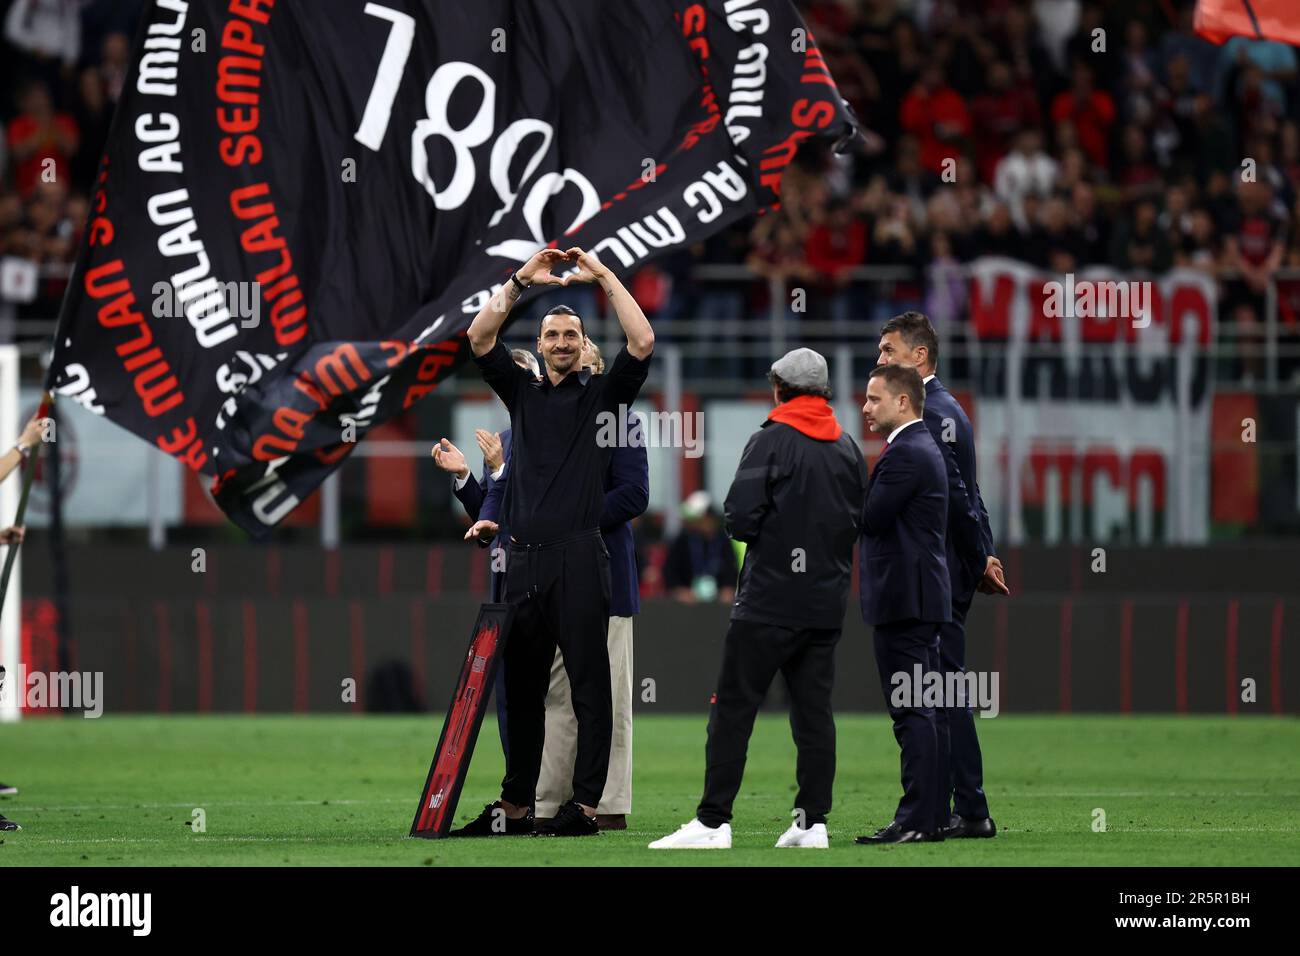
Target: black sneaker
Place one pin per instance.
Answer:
(570, 821)
(7, 824)
(493, 822)
(8, 791)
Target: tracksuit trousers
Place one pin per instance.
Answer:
(752, 656)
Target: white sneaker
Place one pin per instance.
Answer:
(813, 838)
(696, 836)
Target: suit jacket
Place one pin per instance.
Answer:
(483, 500)
(969, 540)
(627, 495)
(902, 569)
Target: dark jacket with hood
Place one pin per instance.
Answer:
(796, 501)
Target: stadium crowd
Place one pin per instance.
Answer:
(1063, 133)
(1060, 132)
(65, 62)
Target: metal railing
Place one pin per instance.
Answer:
(727, 357)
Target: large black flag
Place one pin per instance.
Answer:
(304, 202)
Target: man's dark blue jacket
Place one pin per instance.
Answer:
(969, 543)
(474, 496)
(902, 570)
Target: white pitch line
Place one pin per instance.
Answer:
(181, 838)
(389, 801)
(210, 803)
(1143, 793)
(28, 837)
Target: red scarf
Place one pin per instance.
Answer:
(809, 414)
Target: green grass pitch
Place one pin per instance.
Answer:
(277, 791)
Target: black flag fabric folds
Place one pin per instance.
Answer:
(304, 202)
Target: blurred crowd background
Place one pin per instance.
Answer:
(991, 127)
(1062, 133)
(63, 64)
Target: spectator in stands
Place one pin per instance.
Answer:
(1199, 246)
(999, 236)
(48, 34)
(38, 134)
(93, 115)
(1139, 244)
(1268, 170)
(1089, 46)
(1025, 171)
(1175, 117)
(909, 177)
(778, 252)
(1072, 169)
(1139, 85)
(1091, 224)
(894, 51)
(999, 115)
(701, 563)
(1200, 55)
(1271, 64)
(1288, 301)
(1221, 200)
(1176, 216)
(936, 115)
(1018, 45)
(1139, 177)
(1254, 249)
(1062, 246)
(835, 246)
(1289, 156)
(1090, 111)
(115, 61)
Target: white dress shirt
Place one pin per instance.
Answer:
(894, 433)
(496, 476)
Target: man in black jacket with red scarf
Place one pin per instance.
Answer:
(796, 501)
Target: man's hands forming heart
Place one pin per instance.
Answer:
(589, 267)
(537, 270)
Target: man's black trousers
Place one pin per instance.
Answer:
(751, 658)
(961, 766)
(562, 592)
(900, 647)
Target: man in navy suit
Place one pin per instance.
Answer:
(909, 339)
(905, 591)
(474, 495)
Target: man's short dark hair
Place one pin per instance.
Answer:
(915, 329)
(902, 380)
(785, 391)
(564, 310)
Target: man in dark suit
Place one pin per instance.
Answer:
(909, 339)
(905, 591)
(474, 493)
